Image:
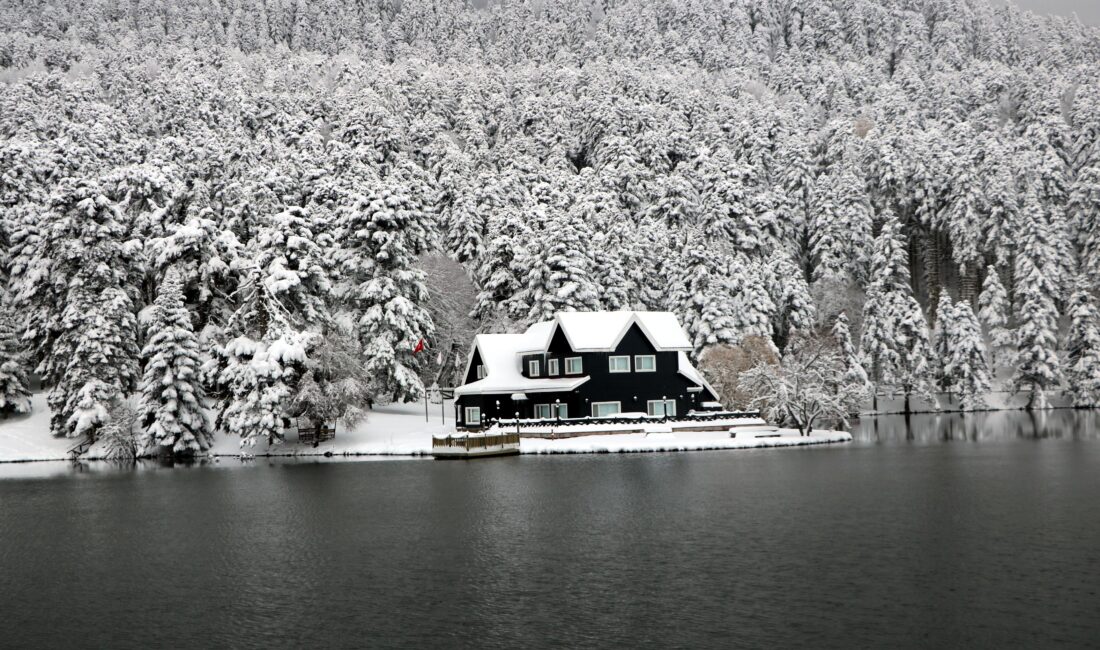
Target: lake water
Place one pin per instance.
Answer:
(966, 532)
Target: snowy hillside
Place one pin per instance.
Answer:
(237, 205)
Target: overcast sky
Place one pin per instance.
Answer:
(1087, 10)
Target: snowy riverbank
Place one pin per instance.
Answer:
(401, 430)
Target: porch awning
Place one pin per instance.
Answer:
(519, 397)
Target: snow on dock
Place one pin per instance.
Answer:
(681, 441)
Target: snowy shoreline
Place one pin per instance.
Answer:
(401, 431)
(600, 444)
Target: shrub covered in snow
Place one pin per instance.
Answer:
(723, 366)
(806, 387)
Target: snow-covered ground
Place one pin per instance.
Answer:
(401, 430)
(680, 441)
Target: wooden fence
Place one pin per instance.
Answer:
(476, 442)
(637, 420)
(315, 435)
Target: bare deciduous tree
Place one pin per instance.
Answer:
(807, 386)
(723, 365)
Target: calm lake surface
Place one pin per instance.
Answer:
(981, 531)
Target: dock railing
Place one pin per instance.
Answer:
(475, 442)
(692, 416)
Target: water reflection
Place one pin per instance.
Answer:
(975, 427)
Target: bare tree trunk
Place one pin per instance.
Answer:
(968, 285)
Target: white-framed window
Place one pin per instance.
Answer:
(481, 371)
(543, 411)
(473, 416)
(661, 407)
(533, 367)
(552, 367)
(618, 364)
(602, 409)
(563, 411)
(573, 366)
(645, 363)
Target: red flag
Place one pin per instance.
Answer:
(419, 346)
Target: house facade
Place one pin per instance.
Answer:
(583, 364)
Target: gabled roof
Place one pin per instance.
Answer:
(686, 369)
(501, 356)
(601, 331)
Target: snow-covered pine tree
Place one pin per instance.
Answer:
(99, 330)
(615, 290)
(291, 260)
(1083, 345)
(726, 208)
(282, 287)
(840, 229)
(464, 237)
(1037, 365)
(257, 384)
(207, 259)
(885, 305)
(754, 311)
(606, 231)
(914, 374)
(500, 276)
(701, 299)
(461, 219)
(942, 334)
(382, 233)
(650, 263)
(336, 387)
(560, 270)
(827, 233)
(855, 375)
(993, 310)
(966, 368)
(1085, 208)
(15, 396)
(791, 296)
(962, 209)
(172, 411)
(677, 202)
(73, 293)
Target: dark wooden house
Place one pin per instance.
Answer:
(583, 364)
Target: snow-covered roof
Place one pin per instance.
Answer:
(601, 331)
(500, 354)
(686, 369)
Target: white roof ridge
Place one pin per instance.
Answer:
(592, 331)
(661, 328)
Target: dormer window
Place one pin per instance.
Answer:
(533, 368)
(481, 371)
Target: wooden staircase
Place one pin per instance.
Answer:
(78, 450)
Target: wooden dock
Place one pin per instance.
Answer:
(475, 445)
